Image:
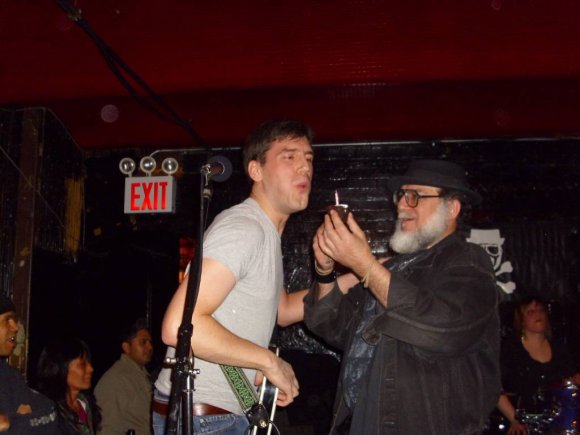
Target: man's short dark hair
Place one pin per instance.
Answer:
(131, 331)
(261, 139)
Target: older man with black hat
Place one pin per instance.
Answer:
(22, 410)
(420, 332)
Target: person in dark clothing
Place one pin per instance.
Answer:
(533, 366)
(420, 331)
(64, 375)
(22, 410)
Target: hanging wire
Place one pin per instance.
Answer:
(120, 69)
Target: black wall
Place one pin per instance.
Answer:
(530, 191)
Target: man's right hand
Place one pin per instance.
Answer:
(323, 262)
(517, 428)
(346, 243)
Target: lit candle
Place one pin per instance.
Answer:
(336, 197)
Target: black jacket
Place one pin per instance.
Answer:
(13, 393)
(435, 365)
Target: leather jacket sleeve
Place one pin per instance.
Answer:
(334, 316)
(443, 308)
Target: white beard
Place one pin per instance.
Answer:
(406, 242)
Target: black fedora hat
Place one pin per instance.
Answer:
(436, 173)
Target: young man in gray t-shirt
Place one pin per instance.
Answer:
(240, 291)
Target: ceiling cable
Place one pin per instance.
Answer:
(121, 70)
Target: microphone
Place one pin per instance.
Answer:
(217, 168)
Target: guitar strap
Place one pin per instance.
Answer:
(240, 385)
(246, 395)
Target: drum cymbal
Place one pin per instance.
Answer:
(566, 383)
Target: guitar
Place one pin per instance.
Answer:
(268, 397)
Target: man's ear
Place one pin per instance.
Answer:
(255, 170)
(454, 208)
(125, 347)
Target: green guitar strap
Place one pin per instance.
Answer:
(247, 396)
(241, 386)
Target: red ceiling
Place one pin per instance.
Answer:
(356, 70)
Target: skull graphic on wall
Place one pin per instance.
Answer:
(491, 241)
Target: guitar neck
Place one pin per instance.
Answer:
(268, 397)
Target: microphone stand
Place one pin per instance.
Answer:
(182, 384)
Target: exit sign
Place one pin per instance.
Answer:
(149, 195)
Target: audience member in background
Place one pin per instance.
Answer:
(124, 392)
(531, 360)
(64, 375)
(22, 410)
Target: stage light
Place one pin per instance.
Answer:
(148, 165)
(127, 166)
(169, 165)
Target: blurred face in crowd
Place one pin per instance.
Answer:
(80, 373)
(140, 347)
(422, 222)
(8, 331)
(535, 318)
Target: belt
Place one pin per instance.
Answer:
(199, 409)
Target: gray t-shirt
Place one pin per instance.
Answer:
(245, 240)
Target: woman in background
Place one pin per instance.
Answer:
(64, 375)
(531, 360)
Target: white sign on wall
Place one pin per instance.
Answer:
(492, 242)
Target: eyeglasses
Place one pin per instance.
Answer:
(412, 197)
